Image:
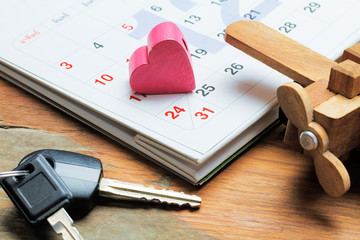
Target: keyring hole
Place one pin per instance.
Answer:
(50, 161)
(30, 168)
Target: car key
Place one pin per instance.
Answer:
(41, 194)
(83, 175)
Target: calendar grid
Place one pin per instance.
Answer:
(92, 43)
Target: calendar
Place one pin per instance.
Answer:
(75, 55)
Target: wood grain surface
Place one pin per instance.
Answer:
(269, 192)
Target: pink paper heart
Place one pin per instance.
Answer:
(164, 65)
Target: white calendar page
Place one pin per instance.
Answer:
(80, 49)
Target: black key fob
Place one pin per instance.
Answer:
(81, 174)
(39, 194)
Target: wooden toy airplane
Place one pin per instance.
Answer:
(322, 105)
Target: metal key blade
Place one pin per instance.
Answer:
(122, 190)
(61, 222)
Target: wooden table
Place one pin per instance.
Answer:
(270, 192)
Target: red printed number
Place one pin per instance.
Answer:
(174, 114)
(104, 78)
(127, 27)
(203, 115)
(138, 96)
(66, 65)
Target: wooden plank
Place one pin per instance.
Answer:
(279, 52)
(270, 192)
